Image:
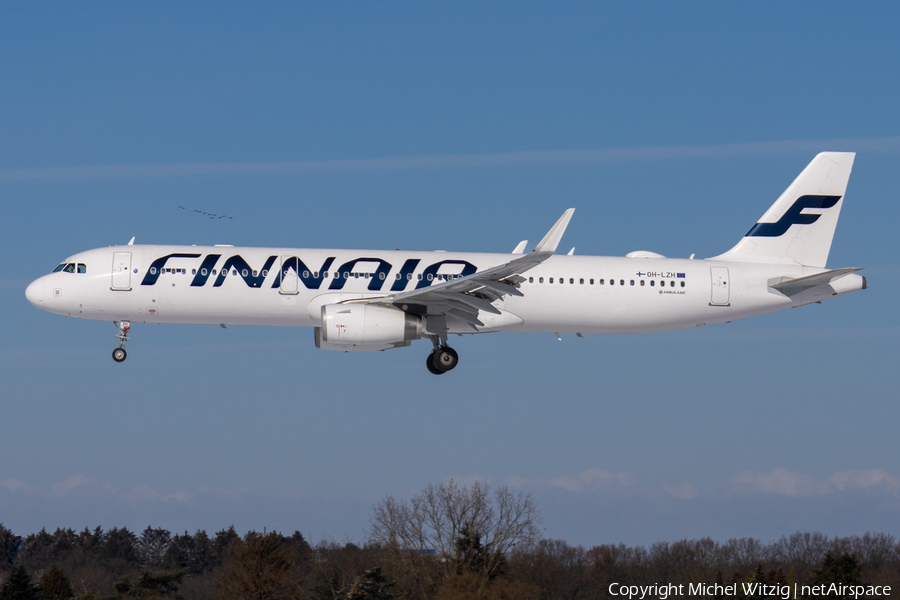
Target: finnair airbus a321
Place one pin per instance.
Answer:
(375, 300)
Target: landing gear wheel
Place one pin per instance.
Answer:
(444, 359)
(429, 362)
(124, 327)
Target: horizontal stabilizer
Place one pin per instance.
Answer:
(791, 287)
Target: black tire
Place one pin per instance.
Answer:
(119, 354)
(430, 364)
(445, 359)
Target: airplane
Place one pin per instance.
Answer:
(363, 300)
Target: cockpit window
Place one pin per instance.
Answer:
(59, 268)
(82, 268)
(70, 268)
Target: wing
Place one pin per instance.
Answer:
(463, 298)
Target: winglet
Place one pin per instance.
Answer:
(520, 249)
(551, 240)
(131, 242)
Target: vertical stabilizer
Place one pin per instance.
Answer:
(799, 227)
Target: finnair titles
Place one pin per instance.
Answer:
(359, 300)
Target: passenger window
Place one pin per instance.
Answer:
(682, 284)
(632, 282)
(203, 272)
(82, 268)
(581, 281)
(601, 282)
(381, 276)
(305, 274)
(562, 279)
(652, 283)
(572, 280)
(551, 280)
(244, 273)
(419, 276)
(430, 277)
(540, 280)
(643, 282)
(255, 273)
(397, 277)
(671, 284)
(612, 282)
(153, 270)
(621, 282)
(234, 272)
(592, 281)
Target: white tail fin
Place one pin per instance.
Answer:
(799, 227)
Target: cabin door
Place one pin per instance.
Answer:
(720, 293)
(121, 271)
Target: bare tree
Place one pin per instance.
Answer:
(452, 529)
(260, 568)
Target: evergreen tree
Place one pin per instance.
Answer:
(10, 544)
(372, 586)
(18, 586)
(223, 540)
(843, 569)
(151, 547)
(152, 585)
(54, 585)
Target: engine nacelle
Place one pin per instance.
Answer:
(349, 327)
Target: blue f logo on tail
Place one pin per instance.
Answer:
(793, 216)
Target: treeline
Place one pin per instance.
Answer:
(448, 543)
(156, 564)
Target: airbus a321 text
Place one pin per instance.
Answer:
(375, 300)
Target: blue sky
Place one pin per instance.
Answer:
(465, 126)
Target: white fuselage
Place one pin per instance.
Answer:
(287, 286)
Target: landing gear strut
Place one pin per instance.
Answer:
(119, 353)
(442, 359)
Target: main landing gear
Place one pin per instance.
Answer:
(119, 353)
(441, 360)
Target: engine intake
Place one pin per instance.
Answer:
(364, 327)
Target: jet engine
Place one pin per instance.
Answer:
(361, 327)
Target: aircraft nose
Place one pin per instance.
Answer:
(35, 292)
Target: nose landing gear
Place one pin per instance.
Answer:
(119, 353)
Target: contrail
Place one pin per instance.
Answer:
(532, 157)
